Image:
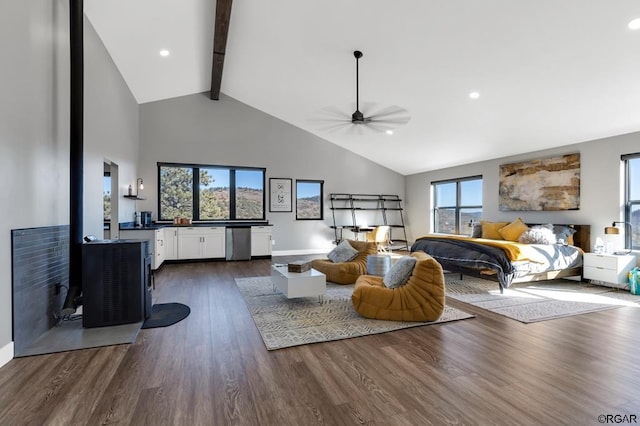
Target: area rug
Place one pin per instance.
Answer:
(286, 322)
(540, 301)
(166, 314)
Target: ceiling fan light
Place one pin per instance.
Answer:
(634, 24)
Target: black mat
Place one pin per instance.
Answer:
(165, 314)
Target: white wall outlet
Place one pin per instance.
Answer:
(273, 242)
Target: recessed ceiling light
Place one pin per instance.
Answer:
(389, 132)
(474, 95)
(634, 25)
(164, 52)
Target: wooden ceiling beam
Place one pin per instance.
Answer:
(221, 30)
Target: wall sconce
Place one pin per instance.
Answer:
(140, 185)
(614, 230)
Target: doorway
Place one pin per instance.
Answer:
(110, 201)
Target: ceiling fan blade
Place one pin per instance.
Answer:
(338, 127)
(330, 120)
(335, 113)
(378, 127)
(392, 111)
(395, 122)
(358, 129)
(393, 116)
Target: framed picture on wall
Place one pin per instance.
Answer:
(309, 199)
(280, 199)
(542, 184)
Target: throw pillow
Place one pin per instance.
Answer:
(512, 231)
(564, 234)
(343, 252)
(539, 234)
(490, 229)
(400, 272)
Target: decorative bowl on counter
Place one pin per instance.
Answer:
(181, 221)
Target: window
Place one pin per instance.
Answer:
(632, 199)
(457, 203)
(210, 193)
(309, 199)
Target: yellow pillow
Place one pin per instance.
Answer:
(490, 229)
(512, 231)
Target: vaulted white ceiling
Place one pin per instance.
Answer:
(549, 72)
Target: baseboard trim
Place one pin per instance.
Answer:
(299, 252)
(6, 353)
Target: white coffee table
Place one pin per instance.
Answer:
(299, 284)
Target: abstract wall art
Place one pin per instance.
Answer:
(542, 184)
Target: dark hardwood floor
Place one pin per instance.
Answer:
(213, 369)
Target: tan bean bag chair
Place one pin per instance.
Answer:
(420, 299)
(347, 272)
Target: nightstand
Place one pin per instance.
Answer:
(611, 269)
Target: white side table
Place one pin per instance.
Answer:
(299, 284)
(612, 270)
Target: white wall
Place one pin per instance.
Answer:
(600, 187)
(111, 133)
(34, 134)
(195, 129)
(34, 128)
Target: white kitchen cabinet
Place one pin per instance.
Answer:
(160, 247)
(261, 241)
(612, 270)
(214, 242)
(189, 242)
(201, 242)
(170, 243)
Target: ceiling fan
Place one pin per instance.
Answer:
(381, 120)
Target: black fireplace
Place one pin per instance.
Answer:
(116, 282)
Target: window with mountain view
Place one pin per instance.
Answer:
(632, 198)
(309, 199)
(457, 204)
(210, 193)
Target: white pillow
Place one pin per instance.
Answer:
(539, 234)
(342, 253)
(400, 272)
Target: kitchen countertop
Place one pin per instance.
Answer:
(130, 226)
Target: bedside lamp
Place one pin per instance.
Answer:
(614, 230)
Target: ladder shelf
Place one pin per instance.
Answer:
(364, 216)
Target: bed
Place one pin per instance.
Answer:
(509, 261)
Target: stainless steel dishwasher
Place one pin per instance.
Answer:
(238, 242)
